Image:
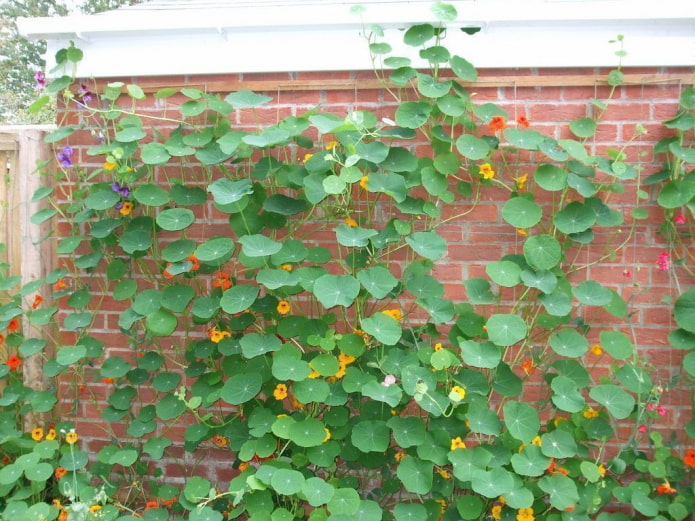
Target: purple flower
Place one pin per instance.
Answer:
(121, 190)
(40, 80)
(118, 205)
(83, 94)
(64, 157)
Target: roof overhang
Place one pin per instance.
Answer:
(328, 35)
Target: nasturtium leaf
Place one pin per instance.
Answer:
(170, 407)
(308, 432)
(114, 367)
(417, 35)
(245, 99)
(413, 114)
(484, 355)
(472, 147)
(506, 329)
(377, 280)
(274, 279)
(427, 244)
(70, 355)
(483, 420)
(558, 444)
(370, 436)
(543, 280)
(225, 191)
(239, 298)
(550, 177)
(524, 138)
(154, 154)
(147, 301)
(644, 504)
(353, 237)
(566, 397)
(583, 127)
(161, 323)
(284, 205)
(175, 219)
(530, 462)
(619, 403)
(256, 344)
(311, 390)
(684, 311)
(336, 290)
(440, 310)
(592, 293)
(135, 240)
(151, 195)
(259, 245)
(576, 217)
(463, 68)
(390, 394)
(317, 491)
(214, 249)
(478, 291)
(569, 342)
(542, 252)
(77, 320)
(562, 491)
(39, 472)
(521, 212)
(415, 474)
(634, 379)
(469, 507)
(240, 388)
(390, 184)
(410, 512)
(505, 273)
(557, 303)
(42, 401)
(408, 431)
(166, 382)
(178, 251)
(521, 420)
(430, 87)
(493, 483)
(345, 501)
(383, 328)
(101, 199)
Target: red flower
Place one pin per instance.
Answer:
(221, 280)
(13, 362)
(194, 260)
(60, 285)
(151, 504)
(38, 299)
(522, 122)
(13, 325)
(665, 489)
(663, 262)
(497, 123)
(679, 219)
(689, 458)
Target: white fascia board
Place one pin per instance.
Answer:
(329, 37)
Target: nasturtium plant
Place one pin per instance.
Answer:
(280, 312)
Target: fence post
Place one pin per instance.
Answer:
(27, 254)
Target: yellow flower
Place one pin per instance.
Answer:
(71, 437)
(352, 223)
(328, 435)
(216, 335)
(108, 166)
(345, 359)
(307, 157)
(280, 392)
(363, 182)
(521, 232)
(399, 455)
(596, 350)
(459, 391)
(496, 512)
(286, 267)
(331, 144)
(486, 171)
(37, 434)
(341, 372)
(442, 505)
(437, 346)
(444, 473)
(525, 514)
(590, 413)
(602, 470)
(94, 509)
(395, 314)
(521, 181)
(243, 466)
(314, 374)
(457, 443)
(283, 307)
(536, 441)
(51, 434)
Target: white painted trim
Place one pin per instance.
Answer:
(326, 36)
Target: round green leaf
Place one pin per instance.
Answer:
(576, 217)
(566, 397)
(530, 462)
(151, 195)
(415, 474)
(616, 344)
(309, 432)
(336, 290)
(562, 491)
(506, 329)
(413, 114)
(353, 237)
(102, 199)
(569, 342)
(558, 444)
(521, 213)
(684, 311)
(225, 191)
(371, 436)
(69, 355)
(345, 501)
(619, 403)
(259, 245)
(494, 483)
(383, 328)
(484, 355)
(522, 420)
(550, 177)
(170, 407)
(214, 249)
(543, 280)
(39, 472)
(175, 219)
(238, 298)
(410, 512)
(542, 252)
(592, 293)
(284, 205)
(428, 244)
(240, 388)
(255, 344)
(287, 482)
(317, 491)
(378, 281)
(472, 147)
(504, 273)
(583, 127)
(161, 323)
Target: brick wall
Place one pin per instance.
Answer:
(482, 236)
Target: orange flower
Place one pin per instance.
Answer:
(60, 285)
(151, 504)
(689, 458)
(2, 339)
(528, 366)
(13, 362)
(521, 232)
(166, 274)
(38, 299)
(280, 392)
(522, 122)
(596, 350)
(94, 509)
(194, 260)
(286, 267)
(243, 466)
(37, 434)
(108, 380)
(63, 516)
(60, 472)
(283, 307)
(221, 280)
(71, 437)
(13, 325)
(218, 440)
(352, 223)
(590, 413)
(497, 123)
(126, 208)
(216, 335)
(665, 488)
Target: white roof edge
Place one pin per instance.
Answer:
(530, 33)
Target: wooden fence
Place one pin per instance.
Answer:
(27, 255)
